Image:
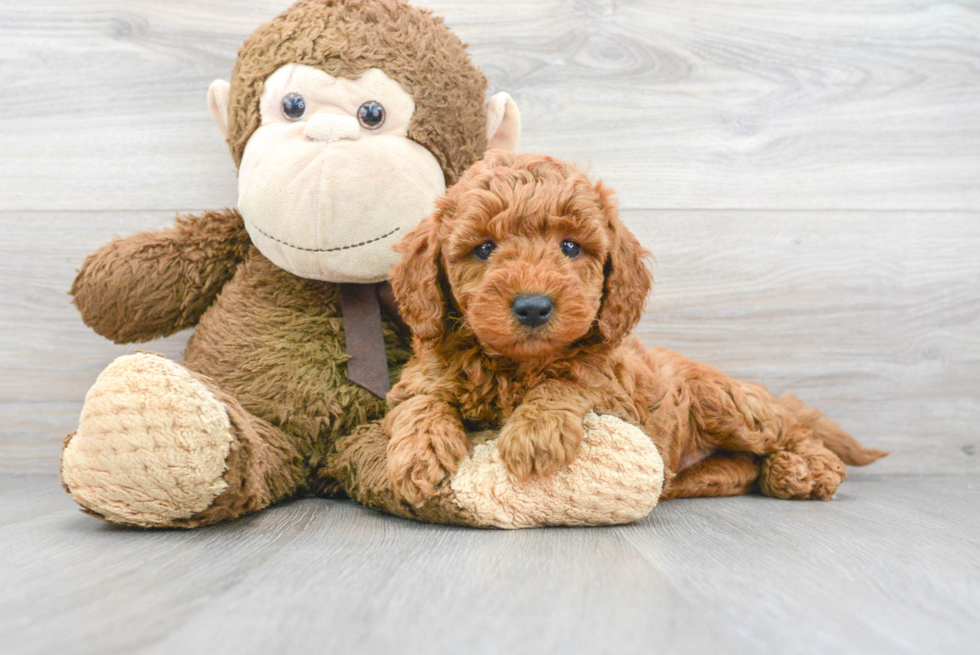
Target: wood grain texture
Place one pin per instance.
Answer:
(888, 566)
(720, 104)
(876, 323)
(804, 171)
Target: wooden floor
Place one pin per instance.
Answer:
(889, 566)
(807, 174)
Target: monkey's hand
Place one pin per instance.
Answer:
(542, 435)
(426, 444)
(156, 283)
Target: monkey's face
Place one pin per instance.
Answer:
(330, 180)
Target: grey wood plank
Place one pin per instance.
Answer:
(48, 357)
(888, 566)
(715, 104)
(30, 439)
(872, 318)
(880, 569)
(45, 347)
(875, 320)
(330, 565)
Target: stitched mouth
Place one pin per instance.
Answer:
(338, 248)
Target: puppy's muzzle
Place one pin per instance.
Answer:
(532, 310)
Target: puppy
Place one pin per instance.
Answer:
(521, 291)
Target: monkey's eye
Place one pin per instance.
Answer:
(483, 250)
(371, 114)
(293, 106)
(570, 249)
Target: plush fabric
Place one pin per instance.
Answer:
(261, 409)
(345, 38)
(151, 444)
(616, 477)
(299, 198)
(503, 122)
(154, 284)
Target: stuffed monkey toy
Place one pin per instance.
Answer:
(347, 119)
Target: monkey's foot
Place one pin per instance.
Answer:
(616, 478)
(805, 471)
(151, 444)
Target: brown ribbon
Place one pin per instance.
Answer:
(360, 305)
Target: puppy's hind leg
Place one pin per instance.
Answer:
(834, 438)
(803, 448)
(724, 414)
(721, 474)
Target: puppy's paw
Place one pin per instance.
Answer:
(418, 462)
(807, 470)
(537, 440)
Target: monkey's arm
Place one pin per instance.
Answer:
(156, 283)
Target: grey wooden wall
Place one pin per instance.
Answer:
(807, 173)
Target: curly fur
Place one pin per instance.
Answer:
(475, 366)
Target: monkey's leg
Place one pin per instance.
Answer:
(160, 446)
(358, 465)
(721, 474)
(616, 478)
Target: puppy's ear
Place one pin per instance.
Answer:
(628, 280)
(415, 279)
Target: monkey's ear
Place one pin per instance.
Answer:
(218, 94)
(503, 122)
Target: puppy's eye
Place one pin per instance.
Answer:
(570, 249)
(483, 250)
(371, 115)
(293, 106)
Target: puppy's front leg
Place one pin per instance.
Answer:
(545, 431)
(426, 443)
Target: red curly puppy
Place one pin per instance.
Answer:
(521, 291)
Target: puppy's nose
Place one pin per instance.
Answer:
(532, 310)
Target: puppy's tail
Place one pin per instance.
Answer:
(833, 437)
